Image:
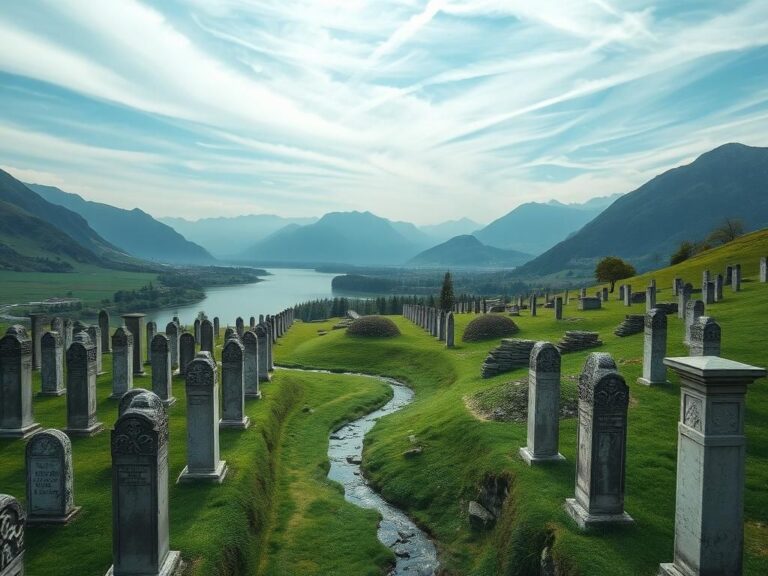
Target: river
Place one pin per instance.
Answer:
(282, 289)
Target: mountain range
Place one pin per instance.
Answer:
(133, 231)
(686, 203)
(466, 251)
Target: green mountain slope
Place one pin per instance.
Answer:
(134, 231)
(686, 203)
(468, 252)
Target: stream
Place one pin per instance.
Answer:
(415, 553)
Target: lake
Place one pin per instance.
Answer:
(282, 289)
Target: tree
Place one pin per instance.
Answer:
(447, 299)
(730, 229)
(684, 251)
(610, 269)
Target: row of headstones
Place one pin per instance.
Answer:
(469, 307)
(139, 461)
(709, 529)
(438, 323)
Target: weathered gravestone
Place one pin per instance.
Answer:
(654, 349)
(94, 333)
(203, 463)
(604, 294)
(16, 418)
(127, 398)
(239, 326)
(196, 327)
(122, 359)
(264, 346)
(207, 339)
(81, 388)
(650, 298)
(162, 380)
(627, 295)
(558, 308)
(133, 323)
(705, 337)
(12, 520)
(736, 278)
(709, 503)
(676, 284)
(602, 445)
(215, 328)
(450, 330)
(36, 322)
(172, 332)
(57, 325)
(50, 492)
(719, 288)
(233, 386)
(533, 305)
(728, 274)
(763, 269)
(251, 365)
(683, 296)
(271, 347)
(252, 322)
(140, 521)
(68, 333)
(708, 293)
(52, 364)
(104, 331)
(151, 331)
(543, 405)
(589, 303)
(694, 309)
(186, 351)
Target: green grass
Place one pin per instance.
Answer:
(460, 450)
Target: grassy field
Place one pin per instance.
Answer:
(460, 450)
(225, 529)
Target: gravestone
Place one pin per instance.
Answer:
(162, 380)
(533, 305)
(650, 298)
(207, 339)
(605, 294)
(728, 274)
(763, 269)
(196, 327)
(441, 327)
(251, 365)
(719, 288)
(543, 406)
(709, 503)
(622, 288)
(104, 330)
(133, 323)
(705, 337)
(676, 283)
(558, 308)
(151, 331)
(203, 463)
(601, 446)
(589, 303)
(122, 359)
(239, 326)
(68, 333)
(736, 278)
(228, 333)
(271, 347)
(172, 332)
(694, 309)
(705, 277)
(57, 325)
(52, 364)
(233, 386)
(683, 296)
(140, 520)
(12, 520)
(36, 332)
(627, 295)
(81, 388)
(127, 398)
(186, 351)
(16, 418)
(708, 293)
(654, 349)
(252, 322)
(50, 495)
(216, 327)
(264, 345)
(449, 330)
(583, 293)
(94, 333)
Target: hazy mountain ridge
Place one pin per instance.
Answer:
(684, 203)
(133, 231)
(467, 251)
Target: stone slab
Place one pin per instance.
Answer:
(532, 460)
(587, 521)
(171, 566)
(215, 477)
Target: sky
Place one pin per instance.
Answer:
(415, 110)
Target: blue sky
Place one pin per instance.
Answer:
(420, 111)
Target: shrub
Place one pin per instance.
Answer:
(373, 327)
(489, 326)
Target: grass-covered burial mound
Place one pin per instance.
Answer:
(489, 326)
(373, 327)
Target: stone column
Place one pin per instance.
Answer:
(172, 331)
(718, 295)
(239, 326)
(134, 323)
(151, 329)
(543, 405)
(441, 327)
(449, 330)
(81, 388)
(683, 296)
(675, 286)
(533, 305)
(140, 522)
(763, 269)
(693, 309)
(233, 386)
(94, 333)
(104, 329)
(68, 334)
(186, 351)
(12, 535)
(52, 364)
(196, 327)
(709, 509)
(203, 463)
(251, 365)
(50, 497)
(16, 418)
(216, 327)
(627, 295)
(705, 337)
(252, 322)
(207, 336)
(263, 345)
(728, 274)
(122, 360)
(650, 298)
(36, 323)
(602, 445)
(162, 380)
(654, 349)
(270, 347)
(736, 278)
